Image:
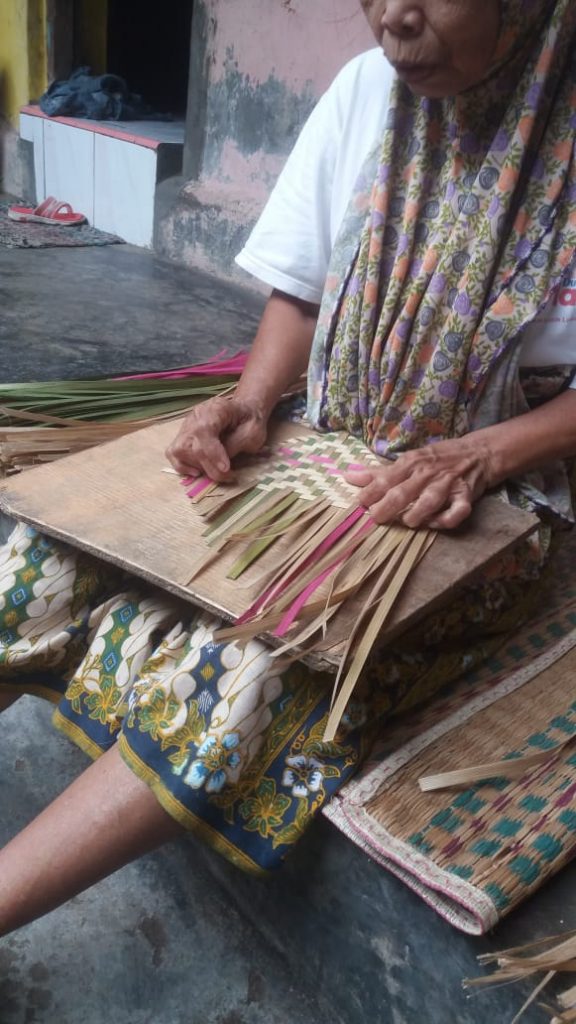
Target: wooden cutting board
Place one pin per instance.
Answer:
(115, 502)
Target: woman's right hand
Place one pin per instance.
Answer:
(213, 433)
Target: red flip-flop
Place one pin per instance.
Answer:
(51, 211)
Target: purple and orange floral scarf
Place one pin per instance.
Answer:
(462, 224)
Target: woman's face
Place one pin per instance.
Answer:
(438, 47)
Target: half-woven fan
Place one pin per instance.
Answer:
(332, 550)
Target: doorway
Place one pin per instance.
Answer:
(149, 46)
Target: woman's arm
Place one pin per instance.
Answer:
(280, 353)
(216, 430)
(529, 441)
(436, 486)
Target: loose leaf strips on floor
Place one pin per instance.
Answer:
(332, 549)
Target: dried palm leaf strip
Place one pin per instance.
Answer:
(388, 586)
(288, 586)
(240, 511)
(288, 527)
(566, 1007)
(548, 956)
(66, 407)
(519, 962)
(509, 768)
(346, 581)
(328, 553)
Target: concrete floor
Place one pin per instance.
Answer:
(181, 937)
(112, 309)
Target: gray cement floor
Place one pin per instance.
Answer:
(181, 937)
(158, 943)
(112, 309)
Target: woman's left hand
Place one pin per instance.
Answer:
(433, 487)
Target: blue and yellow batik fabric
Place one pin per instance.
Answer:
(230, 743)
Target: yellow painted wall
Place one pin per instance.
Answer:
(23, 74)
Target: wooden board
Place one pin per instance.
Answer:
(115, 502)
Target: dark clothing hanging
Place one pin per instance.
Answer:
(98, 97)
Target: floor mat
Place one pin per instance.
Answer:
(18, 235)
(474, 854)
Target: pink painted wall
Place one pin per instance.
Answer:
(300, 41)
(267, 63)
(257, 69)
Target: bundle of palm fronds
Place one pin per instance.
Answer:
(44, 420)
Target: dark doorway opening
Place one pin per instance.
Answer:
(149, 46)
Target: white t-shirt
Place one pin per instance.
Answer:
(290, 246)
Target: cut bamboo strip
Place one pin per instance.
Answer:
(517, 963)
(533, 996)
(283, 576)
(254, 507)
(509, 768)
(396, 572)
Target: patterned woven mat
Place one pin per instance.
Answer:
(16, 235)
(475, 854)
(312, 468)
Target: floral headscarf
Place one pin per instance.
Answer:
(467, 222)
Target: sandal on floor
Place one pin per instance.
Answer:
(51, 211)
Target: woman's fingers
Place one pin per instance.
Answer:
(197, 446)
(359, 477)
(211, 460)
(435, 498)
(420, 496)
(387, 501)
(452, 517)
(213, 433)
(248, 437)
(199, 453)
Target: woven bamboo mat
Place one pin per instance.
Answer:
(474, 854)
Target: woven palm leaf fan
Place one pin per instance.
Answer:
(333, 553)
(44, 420)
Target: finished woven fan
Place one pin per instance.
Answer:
(333, 552)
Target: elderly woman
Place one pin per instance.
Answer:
(438, 255)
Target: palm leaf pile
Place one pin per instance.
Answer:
(45, 420)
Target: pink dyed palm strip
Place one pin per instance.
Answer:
(199, 485)
(219, 366)
(314, 584)
(324, 547)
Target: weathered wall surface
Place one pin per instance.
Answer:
(23, 76)
(257, 69)
(264, 65)
(23, 54)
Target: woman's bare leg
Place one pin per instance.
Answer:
(105, 819)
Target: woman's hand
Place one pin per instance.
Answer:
(213, 433)
(217, 430)
(431, 487)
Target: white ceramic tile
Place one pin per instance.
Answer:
(156, 131)
(32, 130)
(69, 166)
(125, 182)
